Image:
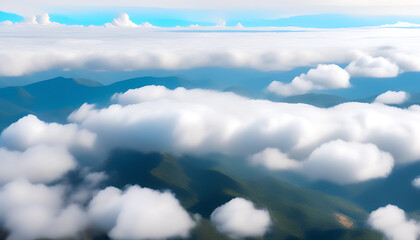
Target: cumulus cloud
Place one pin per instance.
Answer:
(239, 218)
(139, 213)
(416, 182)
(394, 224)
(31, 211)
(273, 159)
(122, 20)
(41, 152)
(42, 19)
(29, 131)
(376, 67)
(392, 97)
(348, 162)
(39, 164)
(328, 76)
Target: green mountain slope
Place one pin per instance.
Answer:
(201, 185)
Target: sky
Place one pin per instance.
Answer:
(351, 48)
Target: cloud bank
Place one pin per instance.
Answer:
(394, 224)
(156, 119)
(239, 218)
(372, 52)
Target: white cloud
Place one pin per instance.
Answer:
(239, 218)
(29, 131)
(139, 213)
(416, 182)
(42, 19)
(154, 118)
(328, 76)
(94, 178)
(36, 211)
(376, 67)
(392, 97)
(401, 25)
(39, 164)
(348, 162)
(84, 192)
(122, 20)
(29, 48)
(394, 224)
(273, 159)
(336, 161)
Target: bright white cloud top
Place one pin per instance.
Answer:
(154, 118)
(348, 162)
(393, 222)
(393, 97)
(239, 218)
(39, 164)
(139, 213)
(323, 77)
(32, 211)
(29, 131)
(367, 66)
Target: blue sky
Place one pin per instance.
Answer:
(182, 17)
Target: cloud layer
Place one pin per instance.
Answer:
(154, 118)
(373, 52)
(239, 218)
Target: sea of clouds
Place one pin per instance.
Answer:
(348, 143)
